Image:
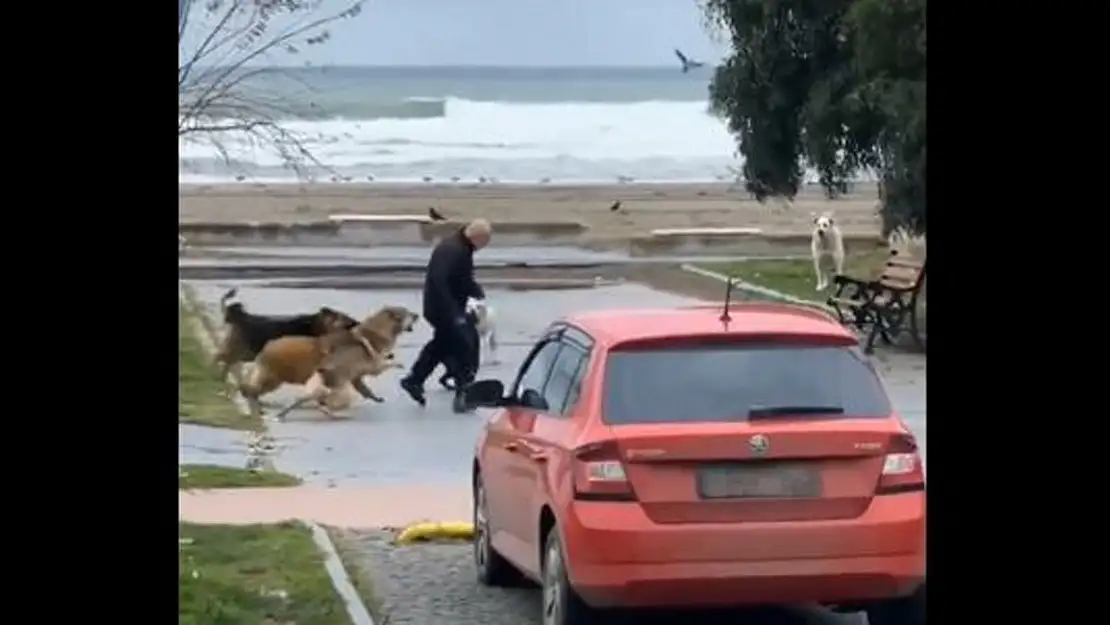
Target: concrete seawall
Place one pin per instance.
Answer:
(386, 231)
(378, 233)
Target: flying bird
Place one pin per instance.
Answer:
(687, 63)
(435, 215)
(616, 206)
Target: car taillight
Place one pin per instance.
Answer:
(902, 470)
(599, 473)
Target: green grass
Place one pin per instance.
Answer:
(254, 575)
(202, 397)
(194, 476)
(795, 277)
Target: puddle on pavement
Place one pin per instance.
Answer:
(399, 442)
(230, 448)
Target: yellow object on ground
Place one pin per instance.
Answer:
(421, 532)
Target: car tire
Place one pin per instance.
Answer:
(492, 568)
(561, 604)
(902, 611)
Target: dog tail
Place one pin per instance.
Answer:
(230, 307)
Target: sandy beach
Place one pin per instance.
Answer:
(644, 206)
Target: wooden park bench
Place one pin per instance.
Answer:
(884, 304)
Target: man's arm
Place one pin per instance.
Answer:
(473, 289)
(439, 276)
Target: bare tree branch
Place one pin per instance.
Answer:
(220, 97)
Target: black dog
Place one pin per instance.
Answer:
(248, 333)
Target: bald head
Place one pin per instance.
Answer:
(479, 232)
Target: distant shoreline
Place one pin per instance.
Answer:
(643, 207)
(253, 187)
(673, 67)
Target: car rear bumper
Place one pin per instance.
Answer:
(619, 557)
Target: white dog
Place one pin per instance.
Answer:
(826, 245)
(485, 321)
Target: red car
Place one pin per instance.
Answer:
(685, 458)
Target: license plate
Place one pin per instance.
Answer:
(764, 480)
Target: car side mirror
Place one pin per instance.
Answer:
(533, 400)
(485, 394)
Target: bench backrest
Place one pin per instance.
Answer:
(902, 272)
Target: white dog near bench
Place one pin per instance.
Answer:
(826, 245)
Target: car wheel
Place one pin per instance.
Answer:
(492, 568)
(902, 611)
(561, 605)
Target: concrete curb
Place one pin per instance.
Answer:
(340, 579)
(755, 288)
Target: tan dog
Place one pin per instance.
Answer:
(335, 360)
(334, 385)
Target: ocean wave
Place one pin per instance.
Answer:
(305, 109)
(507, 140)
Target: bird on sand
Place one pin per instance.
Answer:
(435, 215)
(615, 207)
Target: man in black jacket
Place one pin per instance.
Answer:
(448, 282)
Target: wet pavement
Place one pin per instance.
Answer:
(206, 445)
(399, 442)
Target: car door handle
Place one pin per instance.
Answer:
(534, 452)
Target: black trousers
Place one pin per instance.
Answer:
(454, 346)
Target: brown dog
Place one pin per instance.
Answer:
(334, 361)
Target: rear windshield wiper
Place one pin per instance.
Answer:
(763, 412)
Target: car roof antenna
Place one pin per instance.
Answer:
(725, 316)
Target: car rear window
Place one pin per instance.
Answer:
(725, 382)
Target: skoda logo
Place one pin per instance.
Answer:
(759, 443)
